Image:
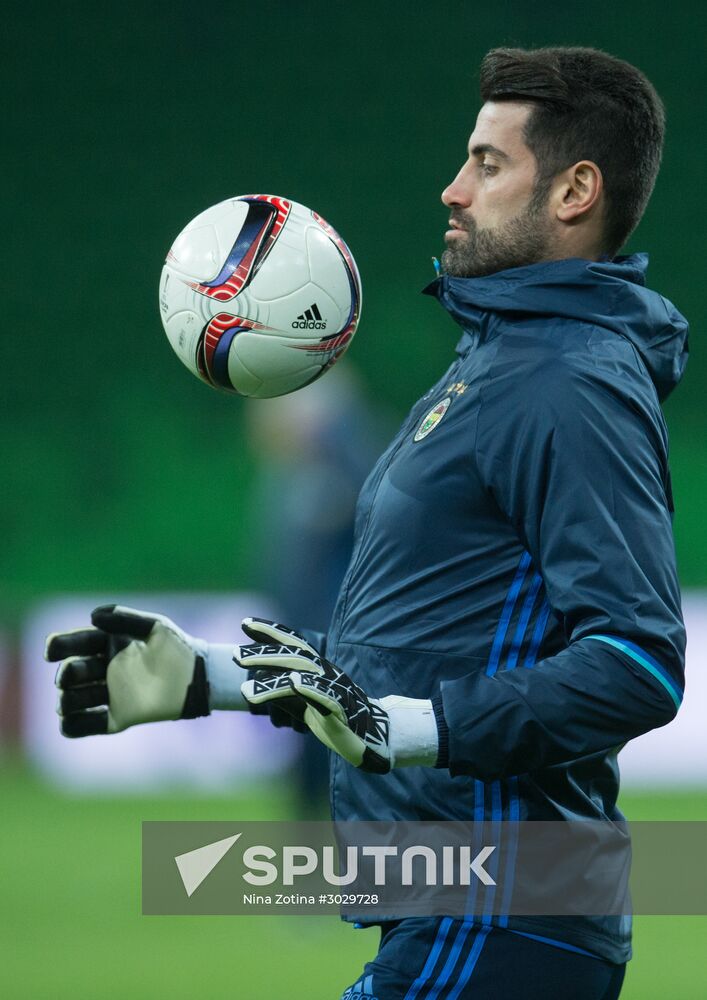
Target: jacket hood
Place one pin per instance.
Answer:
(608, 293)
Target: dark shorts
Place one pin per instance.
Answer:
(424, 958)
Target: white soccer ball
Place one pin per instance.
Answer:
(259, 296)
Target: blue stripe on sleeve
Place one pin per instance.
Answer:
(538, 634)
(523, 620)
(644, 660)
(509, 605)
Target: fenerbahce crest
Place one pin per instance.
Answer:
(430, 421)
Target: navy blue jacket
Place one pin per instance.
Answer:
(514, 560)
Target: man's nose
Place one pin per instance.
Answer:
(457, 193)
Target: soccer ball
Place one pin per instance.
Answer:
(259, 296)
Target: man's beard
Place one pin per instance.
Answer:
(526, 239)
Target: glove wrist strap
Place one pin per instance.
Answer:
(413, 738)
(196, 702)
(224, 679)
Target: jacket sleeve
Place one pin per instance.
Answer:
(577, 462)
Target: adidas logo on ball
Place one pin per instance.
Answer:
(310, 319)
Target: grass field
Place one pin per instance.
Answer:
(70, 922)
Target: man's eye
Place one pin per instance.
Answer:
(489, 169)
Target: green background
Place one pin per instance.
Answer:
(120, 123)
(124, 121)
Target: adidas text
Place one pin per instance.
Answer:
(310, 319)
(309, 324)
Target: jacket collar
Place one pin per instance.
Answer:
(608, 293)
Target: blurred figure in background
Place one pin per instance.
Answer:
(316, 447)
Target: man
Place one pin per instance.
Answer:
(512, 592)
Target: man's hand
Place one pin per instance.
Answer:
(284, 705)
(131, 667)
(373, 734)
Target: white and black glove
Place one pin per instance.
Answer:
(133, 667)
(373, 734)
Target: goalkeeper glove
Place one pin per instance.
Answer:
(373, 734)
(134, 667)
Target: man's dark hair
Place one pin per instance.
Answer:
(588, 106)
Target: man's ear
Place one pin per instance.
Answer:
(579, 189)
